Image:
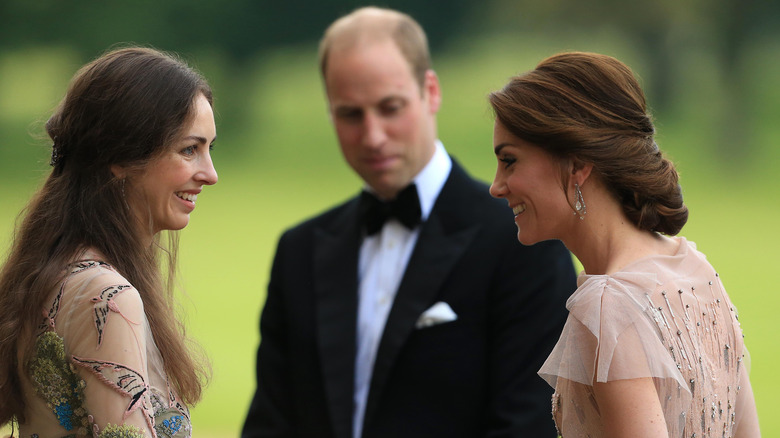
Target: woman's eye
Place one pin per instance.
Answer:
(189, 150)
(349, 115)
(507, 161)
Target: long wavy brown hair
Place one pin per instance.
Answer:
(124, 108)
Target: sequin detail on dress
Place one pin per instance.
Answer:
(664, 317)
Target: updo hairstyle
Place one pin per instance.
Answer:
(589, 108)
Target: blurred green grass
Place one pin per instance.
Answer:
(281, 164)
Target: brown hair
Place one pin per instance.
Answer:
(371, 24)
(589, 108)
(124, 108)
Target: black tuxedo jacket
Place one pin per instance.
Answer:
(473, 377)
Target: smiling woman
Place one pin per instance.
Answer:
(166, 190)
(652, 342)
(532, 177)
(87, 313)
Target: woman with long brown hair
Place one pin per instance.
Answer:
(89, 334)
(652, 346)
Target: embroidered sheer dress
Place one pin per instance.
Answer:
(95, 369)
(665, 317)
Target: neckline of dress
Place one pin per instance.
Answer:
(680, 253)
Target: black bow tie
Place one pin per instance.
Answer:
(405, 207)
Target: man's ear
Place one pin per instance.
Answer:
(118, 171)
(433, 90)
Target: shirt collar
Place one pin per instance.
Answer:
(431, 179)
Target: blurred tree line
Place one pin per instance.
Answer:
(242, 29)
(663, 32)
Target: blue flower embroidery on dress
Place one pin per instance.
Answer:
(57, 382)
(170, 426)
(170, 421)
(64, 412)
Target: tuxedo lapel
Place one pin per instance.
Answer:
(335, 283)
(441, 243)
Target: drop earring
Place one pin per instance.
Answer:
(122, 189)
(579, 202)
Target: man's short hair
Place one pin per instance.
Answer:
(372, 24)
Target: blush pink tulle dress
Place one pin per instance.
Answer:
(665, 317)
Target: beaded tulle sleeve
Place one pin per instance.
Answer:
(95, 370)
(664, 317)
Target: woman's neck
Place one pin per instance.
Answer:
(606, 241)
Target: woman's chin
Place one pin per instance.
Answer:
(528, 239)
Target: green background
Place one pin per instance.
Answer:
(279, 163)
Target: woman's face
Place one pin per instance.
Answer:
(168, 188)
(530, 180)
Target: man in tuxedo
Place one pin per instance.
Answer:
(410, 310)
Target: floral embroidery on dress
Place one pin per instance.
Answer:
(173, 402)
(53, 374)
(120, 431)
(171, 417)
(55, 379)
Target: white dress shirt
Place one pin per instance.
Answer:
(382, 262)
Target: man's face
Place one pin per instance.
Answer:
(385, 123)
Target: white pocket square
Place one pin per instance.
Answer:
(439, 313)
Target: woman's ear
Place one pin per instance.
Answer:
(580, 171)
(118, 171)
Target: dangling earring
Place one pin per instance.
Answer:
(579, 202)
(122, 189)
